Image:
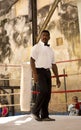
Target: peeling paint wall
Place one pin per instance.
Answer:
(21, 7)
(65, 38)
(79, 15)
(63, 26)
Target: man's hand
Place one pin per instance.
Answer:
(58, 83)
(55, 71)
(35, 76)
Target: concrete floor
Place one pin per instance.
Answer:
(26, 122)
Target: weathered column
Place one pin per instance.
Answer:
(79, 15)
(33, 18)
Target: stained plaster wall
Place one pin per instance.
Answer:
(65, 40)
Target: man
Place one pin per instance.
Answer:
(74, 109)
(42, 59)
(4, 108)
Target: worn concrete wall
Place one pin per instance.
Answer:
(79, 15)
(65, 39)
(21, 7)
(63, 26)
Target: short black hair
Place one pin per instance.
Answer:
(45, 31)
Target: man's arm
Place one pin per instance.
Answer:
(55, 71)
(32, 63)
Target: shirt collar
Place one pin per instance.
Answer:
(43, 44)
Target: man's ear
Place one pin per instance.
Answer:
(49, 37)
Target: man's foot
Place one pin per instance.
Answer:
(36, 117)
(48, 119)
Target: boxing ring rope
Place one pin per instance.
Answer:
(2, 79)
(18, 65)
(65, 61)
(35, 92)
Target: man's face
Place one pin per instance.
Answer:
(75, 100)
(45, 37)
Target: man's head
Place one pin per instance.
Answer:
(45, 36)
(75, 99)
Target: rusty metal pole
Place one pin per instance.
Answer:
(65, 90)
(33, 9)
(33, 18)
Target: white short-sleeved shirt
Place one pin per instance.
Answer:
(43, 55)
(72, 110)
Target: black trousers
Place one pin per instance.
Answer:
(43, 98)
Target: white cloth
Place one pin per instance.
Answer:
(25, 87)
(72, 110)
(43, 55)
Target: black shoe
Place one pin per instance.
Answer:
(48, 119)
(37, 117)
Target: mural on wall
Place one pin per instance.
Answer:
(15, 34)
(68, 24)
(16, 39)
(5, 49)
(18, 30)
(65, 19)
(5, 6)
